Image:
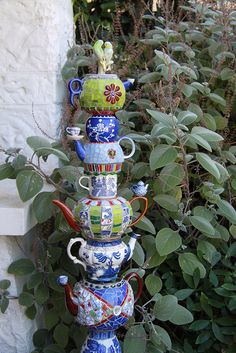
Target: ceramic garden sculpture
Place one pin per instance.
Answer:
(103, 302)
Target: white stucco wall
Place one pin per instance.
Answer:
(34, 36)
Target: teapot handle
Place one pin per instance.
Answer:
(132, 145)
(69, 246)
(74, 92)
(81, 178)
(139, 281)
(144, 210)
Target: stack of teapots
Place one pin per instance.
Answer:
(102, 302)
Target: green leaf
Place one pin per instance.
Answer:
(61, 334)
(4, 284)
(158, 333)
(40, 338)
(181, 316)
(135, 340)
(26, 299)
(203, 337)
(138, 254)
(187, 90)
(46, 151)
(167, 201)
(34, 280)
(6, 171)
(183, 293)
(4, 302)
(41, 294)
(217, 333)
(207, 134)
(162, 155)
(146, 224)
(150, 77)
(19, 161)
(189, 263)
(200, 141)
(165, 119)
(165, 307)
(167, 241)
(202, 224)
(53, 348)
(21, 267)
(227, 210)
(36, 142)
(51, 318)
(171, 175)
(43, 206)
(199, 325)
(227, 74)
(31, 312)
(153, 284)
(208, 252)
(28, 183)
(208, 164)
(217, 99)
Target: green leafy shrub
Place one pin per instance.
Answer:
(180, 116)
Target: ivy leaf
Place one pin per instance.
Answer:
(162, 155)
(28, 183)
(21, 267)
(167, 241)
(202, 224)
(189, 263)
(208, 164)
(135, 340)
(40, 338)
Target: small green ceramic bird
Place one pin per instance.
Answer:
(98, 51)
(108, 53)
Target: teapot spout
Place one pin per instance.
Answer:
(71, 300)
(131, 244)
(129, 83)
(79, 148)
(67, 214)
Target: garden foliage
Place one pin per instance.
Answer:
(180, 114)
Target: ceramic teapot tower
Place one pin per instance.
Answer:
(103, 302)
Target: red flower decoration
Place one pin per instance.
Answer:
(112, 93)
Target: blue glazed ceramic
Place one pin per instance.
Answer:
(102, 261)
(101, 342)
(102, 128)
(100, 186)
